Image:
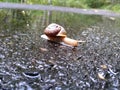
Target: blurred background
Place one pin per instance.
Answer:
(113, 5)
(28, 62)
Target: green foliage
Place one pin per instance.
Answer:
(113, 7)
(116, 7)
(95, 3)
(69, 3)
(15, 1)
(104, 4)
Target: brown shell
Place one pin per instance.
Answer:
(55, 30)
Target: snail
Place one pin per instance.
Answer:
(57, 33)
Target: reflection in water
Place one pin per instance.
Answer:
(29, 62)
(14, 19)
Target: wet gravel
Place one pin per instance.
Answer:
(30, 63)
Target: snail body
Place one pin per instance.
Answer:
(57, 33)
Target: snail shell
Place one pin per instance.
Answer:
(55, 30)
